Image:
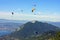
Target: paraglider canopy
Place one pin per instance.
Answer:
(36, 33)
(34, 4)
(21, 10)
(33, 9)
(12, 13)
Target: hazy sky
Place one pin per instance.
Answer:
(46, 10)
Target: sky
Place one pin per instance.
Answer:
(45, 10)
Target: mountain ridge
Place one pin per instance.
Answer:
(39, 27)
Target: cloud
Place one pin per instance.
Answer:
(17, 16)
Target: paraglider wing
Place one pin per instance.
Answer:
(33, 9)
(21, 10)
(12, 13)
(34, 4)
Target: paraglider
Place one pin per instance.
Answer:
(12, 13)
(33, 9)
(21, 10)
(34, 4)
(36, 33)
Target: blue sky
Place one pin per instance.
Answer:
(46, 10)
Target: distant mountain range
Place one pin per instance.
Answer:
(24, 21)
(14, 21)
(33, 28)
(4, 23)
(7, 26)
(55, 23)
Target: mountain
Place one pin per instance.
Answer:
(55, 23)
(32, 29)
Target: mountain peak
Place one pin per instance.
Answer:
(34, 21)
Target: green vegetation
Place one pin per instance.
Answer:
(57, 37)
